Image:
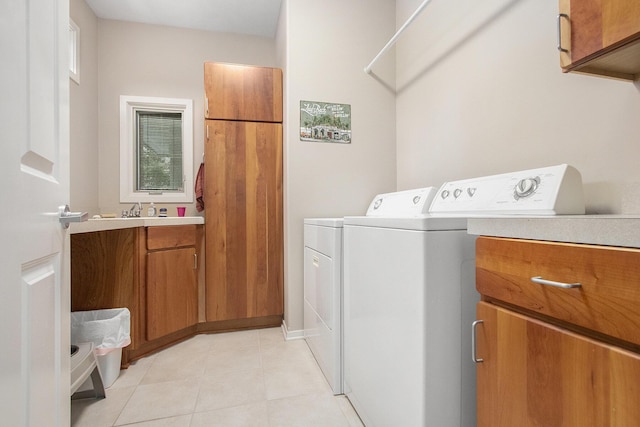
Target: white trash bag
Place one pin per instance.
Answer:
(106, 329)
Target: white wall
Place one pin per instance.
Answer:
(323, 47)
(152, 60)
(480, 92)
(83, 124)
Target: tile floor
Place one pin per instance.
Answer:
(248, 378)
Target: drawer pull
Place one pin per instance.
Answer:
(560, 48)
(474, 358)
(539, 280)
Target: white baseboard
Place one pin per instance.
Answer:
(291, 335)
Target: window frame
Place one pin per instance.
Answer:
(129, 105)
(74, 51)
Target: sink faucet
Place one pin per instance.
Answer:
(133, 212)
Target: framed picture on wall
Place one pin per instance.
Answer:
(325, 122)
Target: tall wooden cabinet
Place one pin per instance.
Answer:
(600, 37)
(243, 195)
(554, 356)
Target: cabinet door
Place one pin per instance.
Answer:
(172, 291)
(244, 237)
(535, 374)
(593, 28)
(243, 92)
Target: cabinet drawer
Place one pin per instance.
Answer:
(608, 300)
(171, 236)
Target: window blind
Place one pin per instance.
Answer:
(159, 151)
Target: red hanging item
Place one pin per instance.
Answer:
(199, 189)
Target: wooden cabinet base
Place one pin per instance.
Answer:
(150, 347)
(239, 324)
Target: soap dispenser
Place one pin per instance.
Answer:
(152, 210)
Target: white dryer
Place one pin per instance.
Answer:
(323, 296)
(409, 296)
(323, 284)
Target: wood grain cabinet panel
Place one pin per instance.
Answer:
(243, 92)
(105, 273)
(535, 374)
(244, 234)
(171, 236)
(103, 268)
(172, 291)
(601, 37)
(608, 300)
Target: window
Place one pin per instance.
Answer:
(156, 150)
(74, 51)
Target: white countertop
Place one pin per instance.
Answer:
(609, 230)
(104, 224)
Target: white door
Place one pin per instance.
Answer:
(34, 172)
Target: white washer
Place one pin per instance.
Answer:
(323, 296)
(409, 297)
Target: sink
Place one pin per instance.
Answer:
(99, 218)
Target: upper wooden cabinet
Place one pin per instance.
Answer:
(242, 92)
(600, 37)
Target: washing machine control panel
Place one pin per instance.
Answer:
(546, 191)
(402, 203)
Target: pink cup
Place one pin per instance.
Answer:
(181, 210)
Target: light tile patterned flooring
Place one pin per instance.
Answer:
(249, 378)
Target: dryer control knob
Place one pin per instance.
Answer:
(526, 187)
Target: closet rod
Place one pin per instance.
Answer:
(391, 42)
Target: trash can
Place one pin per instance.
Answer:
(109, 331)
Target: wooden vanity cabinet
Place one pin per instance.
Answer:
(600, 37)
(152, 271)
(172, 280)
(553, 356)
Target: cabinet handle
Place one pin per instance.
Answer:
(195, 261)
(560, 16)
(539, 280)
(206, 107)
(474, 358)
